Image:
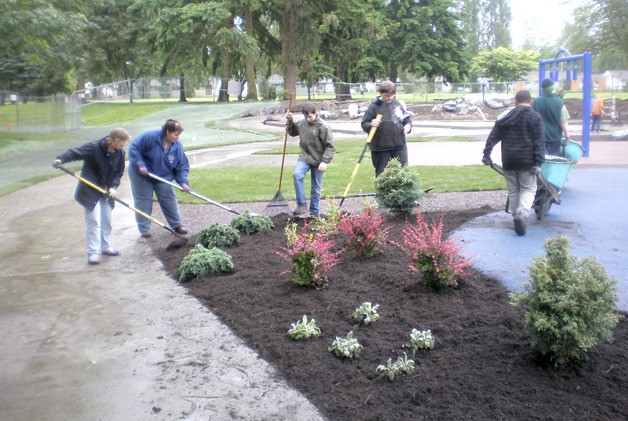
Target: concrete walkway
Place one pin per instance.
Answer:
(123, 341)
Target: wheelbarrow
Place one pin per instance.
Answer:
(552, 178)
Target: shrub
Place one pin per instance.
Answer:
(304, 329)
(311, 258)
(201, 261)
(398, 188)
(364, 232)
(328, 226)
(421, 339)
(366, 313)
(569, 304)
(403, 366)
(348, 347)
(251, 224)
(218, 235)
(436, 259)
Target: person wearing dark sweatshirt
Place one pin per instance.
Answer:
(522, 135)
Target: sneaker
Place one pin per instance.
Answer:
(146, 234)
(181, 230)
(93, 259)
(301, 210)
(110, 251)
(521, 223)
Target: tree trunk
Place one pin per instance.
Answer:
(289, 35)
(343, 90)
(250, 57)
(182, 90)
(394, 73)
(223, 95)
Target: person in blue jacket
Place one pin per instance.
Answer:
(389, 140)
(103, 166)
(158, 152)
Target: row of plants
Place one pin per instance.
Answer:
(350, 347)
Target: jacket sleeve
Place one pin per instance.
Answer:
(78, 154)
(369, 115)
(119, 172)
(182, 170)
(328, 143)
(539, 142)
(135, 152)
(293, 130)
(493, 139)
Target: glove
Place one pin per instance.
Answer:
(536, 170)
(111, 193)
(186, 188)
(486, 160)
(56, 163)
(564, 142)
(142, 170)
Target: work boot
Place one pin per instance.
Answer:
(521, 223)
(146, 234)
(181, 230)
(301, 210)
(93, 259)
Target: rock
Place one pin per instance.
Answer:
(353, 110)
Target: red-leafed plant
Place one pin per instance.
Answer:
(364, 232)
(437, 260)
(311, 256)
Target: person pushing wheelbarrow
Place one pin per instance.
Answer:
(522, 135)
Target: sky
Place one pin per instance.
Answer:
(542, 21)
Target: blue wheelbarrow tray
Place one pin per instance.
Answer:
(556, 169)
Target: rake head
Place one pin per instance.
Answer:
(277, 205)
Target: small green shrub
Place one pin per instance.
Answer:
(202, 261)
(250, 224)
(421, 339)
(569, 304)
(398, 188)
(328, 226)
(402, 367)
(348, 347)
(283, 95)
(366, 313)
(437, 260)
(218, 235)
(304, 329)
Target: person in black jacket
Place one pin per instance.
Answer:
(103, 165)
(522, 135)
(389, 140)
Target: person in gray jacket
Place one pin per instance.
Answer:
(522, 135)
(317, 149)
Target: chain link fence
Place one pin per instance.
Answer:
(52, 114)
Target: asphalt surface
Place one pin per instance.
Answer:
(122, 340)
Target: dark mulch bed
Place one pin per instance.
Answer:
(482, 366)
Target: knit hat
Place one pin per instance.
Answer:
(547, 84)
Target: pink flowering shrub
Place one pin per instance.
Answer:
(364, 231)
(311, 256)
(437, 260)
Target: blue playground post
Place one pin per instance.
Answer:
(554, 68)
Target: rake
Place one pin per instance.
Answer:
(278, 204)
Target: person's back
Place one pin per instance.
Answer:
(555, 116)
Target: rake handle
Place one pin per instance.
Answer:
(285, 142)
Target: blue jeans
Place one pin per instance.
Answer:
(596, 123)
(142, 188)
(300, 170)
(98, 222)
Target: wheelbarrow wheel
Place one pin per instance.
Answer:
(542, 203)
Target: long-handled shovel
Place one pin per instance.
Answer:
(193, 193)
(357, 165)
(177, 243)
(278, 200)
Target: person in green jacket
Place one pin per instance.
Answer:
(555, 117)
(317, 149)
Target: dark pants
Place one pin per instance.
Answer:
(380, 158)
(553, 148)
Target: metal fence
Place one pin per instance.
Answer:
(53, 114)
